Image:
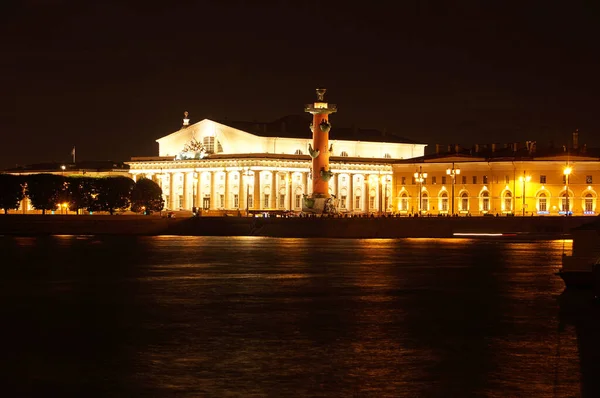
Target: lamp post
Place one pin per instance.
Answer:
(567, 172)
(420, 178)
(524, 179)
(453, 172)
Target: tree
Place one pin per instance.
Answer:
(146, 197)
(80, 192)
(114, 193)
(11, 192)
(45, 191)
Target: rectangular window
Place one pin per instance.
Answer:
(474, 179)
(433, 180)
(167, 202)
(344, 179)
(180, 201)
(281, 201)
(506, 179)
(414, 181)
(403, 180)
(222, 201)
(464, 179)
(589, 205)
(564, 179)
(371, 202)
(588, 179)
(236, 201)
(298, 203)
(485, 179)
(250, 201)
(443, 179)
(357, 202)
(343, 202)
(266, 201)
(542, 179)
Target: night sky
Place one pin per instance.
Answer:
(111, 78)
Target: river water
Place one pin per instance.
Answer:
(264, 317)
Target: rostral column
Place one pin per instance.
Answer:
(320, 150)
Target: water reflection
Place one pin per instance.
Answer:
(214, 316)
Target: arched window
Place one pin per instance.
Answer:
(404, 202)
(542, 203)
(588, 203)
(424, 202)
(464, 201)
(565, 202)
(298, 152)
(485, 201)
(507, 201)
(344, 153)
(444, 201)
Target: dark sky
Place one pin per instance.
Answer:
(110, 78)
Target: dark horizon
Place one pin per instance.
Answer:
(111, 78)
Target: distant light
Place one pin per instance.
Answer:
(477, 234)
(63, 167)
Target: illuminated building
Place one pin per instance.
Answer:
(513, 179)
(232, 166)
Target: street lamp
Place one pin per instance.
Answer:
(249, 176)
(420, 178)
(453, 172)
(524, 178)
(567, 172)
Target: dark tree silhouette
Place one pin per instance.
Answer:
(114, 193)
(146, 197)
(11, 192)
(80, 192)
(45, 191)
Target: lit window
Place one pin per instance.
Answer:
(357, 202)
(464, 201)
(507, 201)
(542, 203)
(424, 202)
(343, 202)
(267, 197)
(444, 201)
(297, 202)
(589, 203)
(404, 202)
(281, 201)
(485, 201)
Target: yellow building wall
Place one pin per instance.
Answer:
(535, 187)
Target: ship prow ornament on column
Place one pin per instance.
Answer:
(320, 201)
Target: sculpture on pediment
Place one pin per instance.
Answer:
(192, 150)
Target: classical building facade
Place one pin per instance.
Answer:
(512, 181)
(248, 166)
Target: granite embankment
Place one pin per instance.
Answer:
(404, 227)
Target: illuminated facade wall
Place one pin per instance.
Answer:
(246, 171)
(536, 186)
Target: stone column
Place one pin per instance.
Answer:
(289, 191)
(256, 195)
(172, 191)
(199, 190)
(186, 191)
(305, 183)
(241, 190)
(213, 191)
(350, 198)
(367, 195)
(226, 200)
(274, 190)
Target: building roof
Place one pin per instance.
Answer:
(297, 126)
(89, 166)
(499, 153)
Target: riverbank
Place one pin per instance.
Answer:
(405, 227)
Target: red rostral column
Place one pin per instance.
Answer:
(319, 151)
